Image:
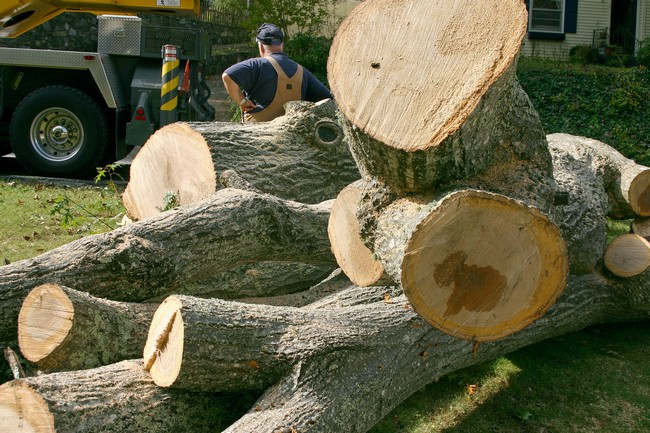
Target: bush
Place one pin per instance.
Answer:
(584, 54)
(311, 51)
(609, 104)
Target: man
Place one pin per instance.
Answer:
(270, 80)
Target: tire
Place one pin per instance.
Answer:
(59, 131)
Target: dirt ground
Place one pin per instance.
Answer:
(219, 98)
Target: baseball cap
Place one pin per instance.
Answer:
(269, 34)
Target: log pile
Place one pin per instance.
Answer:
(462, 231)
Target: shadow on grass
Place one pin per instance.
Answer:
(596, 380)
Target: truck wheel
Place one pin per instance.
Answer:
(59, 130)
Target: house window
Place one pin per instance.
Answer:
(547, 16)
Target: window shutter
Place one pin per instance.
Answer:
(570, 16)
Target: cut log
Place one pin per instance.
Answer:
(178, 164)
(301, 156)
(63, 329)
(352, 255)
(455, 117)
(628, 255)
(476, 265)
(142, 261)
(340, 365)
(626, 182)
(581, 204)
(116, 398)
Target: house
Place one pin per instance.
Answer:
(555, 26)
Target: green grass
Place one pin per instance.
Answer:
(597, 380)
(37, 218)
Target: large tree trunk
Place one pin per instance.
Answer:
(627, 183)
(154, 258)
(300, 156)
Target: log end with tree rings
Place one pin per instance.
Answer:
(23, 410)
(353, 257)
(384, 84)
(44, 321)
(482, 266)
(639, 194)
(163, 352)
(328, 135)
(628, 255)
(176, 162)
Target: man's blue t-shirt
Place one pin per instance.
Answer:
(259, 80)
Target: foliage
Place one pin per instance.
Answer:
(170, 201)
(297, 16)
(609, 104)
(311, 51)
(584, 54)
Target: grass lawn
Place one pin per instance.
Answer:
(597, 380)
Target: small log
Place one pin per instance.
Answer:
(300, 156)
(141, 261)
(63, 329)
(189, 341)
(627, 183)
(352, 255)
(628, 255)
(116, 398)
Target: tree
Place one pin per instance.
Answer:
(297, 16)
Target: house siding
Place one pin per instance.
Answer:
(592, 14)
(643, 32)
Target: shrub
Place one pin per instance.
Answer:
(584, 54)
(311, 52)
(609, 104)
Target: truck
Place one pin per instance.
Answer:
(65, 113)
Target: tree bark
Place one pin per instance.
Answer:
(116, 398)
(300, 156)
(142, 261)
(62, 329)
(627, 183)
